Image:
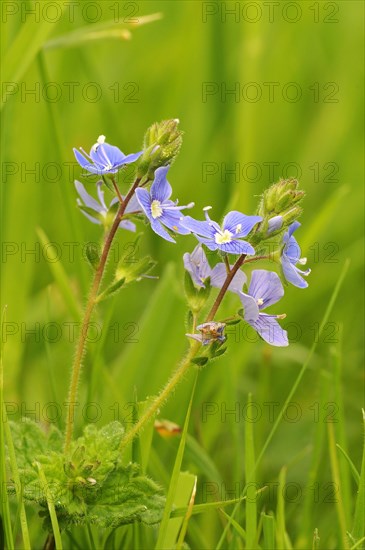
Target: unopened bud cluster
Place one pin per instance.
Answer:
(161, 145)
(279, 206)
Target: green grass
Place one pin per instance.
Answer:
(163, 67)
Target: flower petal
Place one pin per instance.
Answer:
(161, 189)
(270, 330)
(87, 199)
(105, 154)
(239, 224)
(209, 243)
(291, 273)
(219, 275)
(128, 159)
(158, 228)
(144, 199)
(292, 250)
(87, 215)
(266, 286)
(293, 227)
(237, 247)
(85, 163)
(127, 224)
(133, 205)
(171, 218)
(251, 313)
(198, 227)
(101, 195)
(197, 265)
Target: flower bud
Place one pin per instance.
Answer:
(280, 196)
(161, 145)
(279, 208)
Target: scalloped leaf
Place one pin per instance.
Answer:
(88, 486)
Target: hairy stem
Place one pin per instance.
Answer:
(162, 396)
(89, 309)
(183, 367)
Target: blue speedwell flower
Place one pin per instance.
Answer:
(198, 266)
(291, 256)
(227, 238)
(159, 209)
(101, 209)
(265, 289)
(104, 158)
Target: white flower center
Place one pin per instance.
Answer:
(239, 228)
(222, 238)
(260, 301)
(156, 209)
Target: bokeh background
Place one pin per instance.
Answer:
(297, 111)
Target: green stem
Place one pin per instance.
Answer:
(162, 396)
(184, 366)
(89, 309)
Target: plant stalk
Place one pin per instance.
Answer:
(184, 366)
(89, 309)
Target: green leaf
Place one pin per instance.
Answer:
(112, 289)
(200, 361)
(92, 255)
(134, 271)
(90, 485)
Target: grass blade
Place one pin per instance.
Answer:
(281, 534)
(100, 31)
(187, 516)
(24, 49)
(358, 529)
(251, 506)
(61, 278)
(268, 524)
(353, 469)
(240, 530)
(337, 480)
(325, 318)
(163, 531)
(17, 482)
(51, 509)
(4, 505)
(207, 506)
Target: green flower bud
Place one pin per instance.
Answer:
(279, 197)
(161, 145)
(291, 215)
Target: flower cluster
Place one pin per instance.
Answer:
(237, 236)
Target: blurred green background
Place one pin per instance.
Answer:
(297, 111)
